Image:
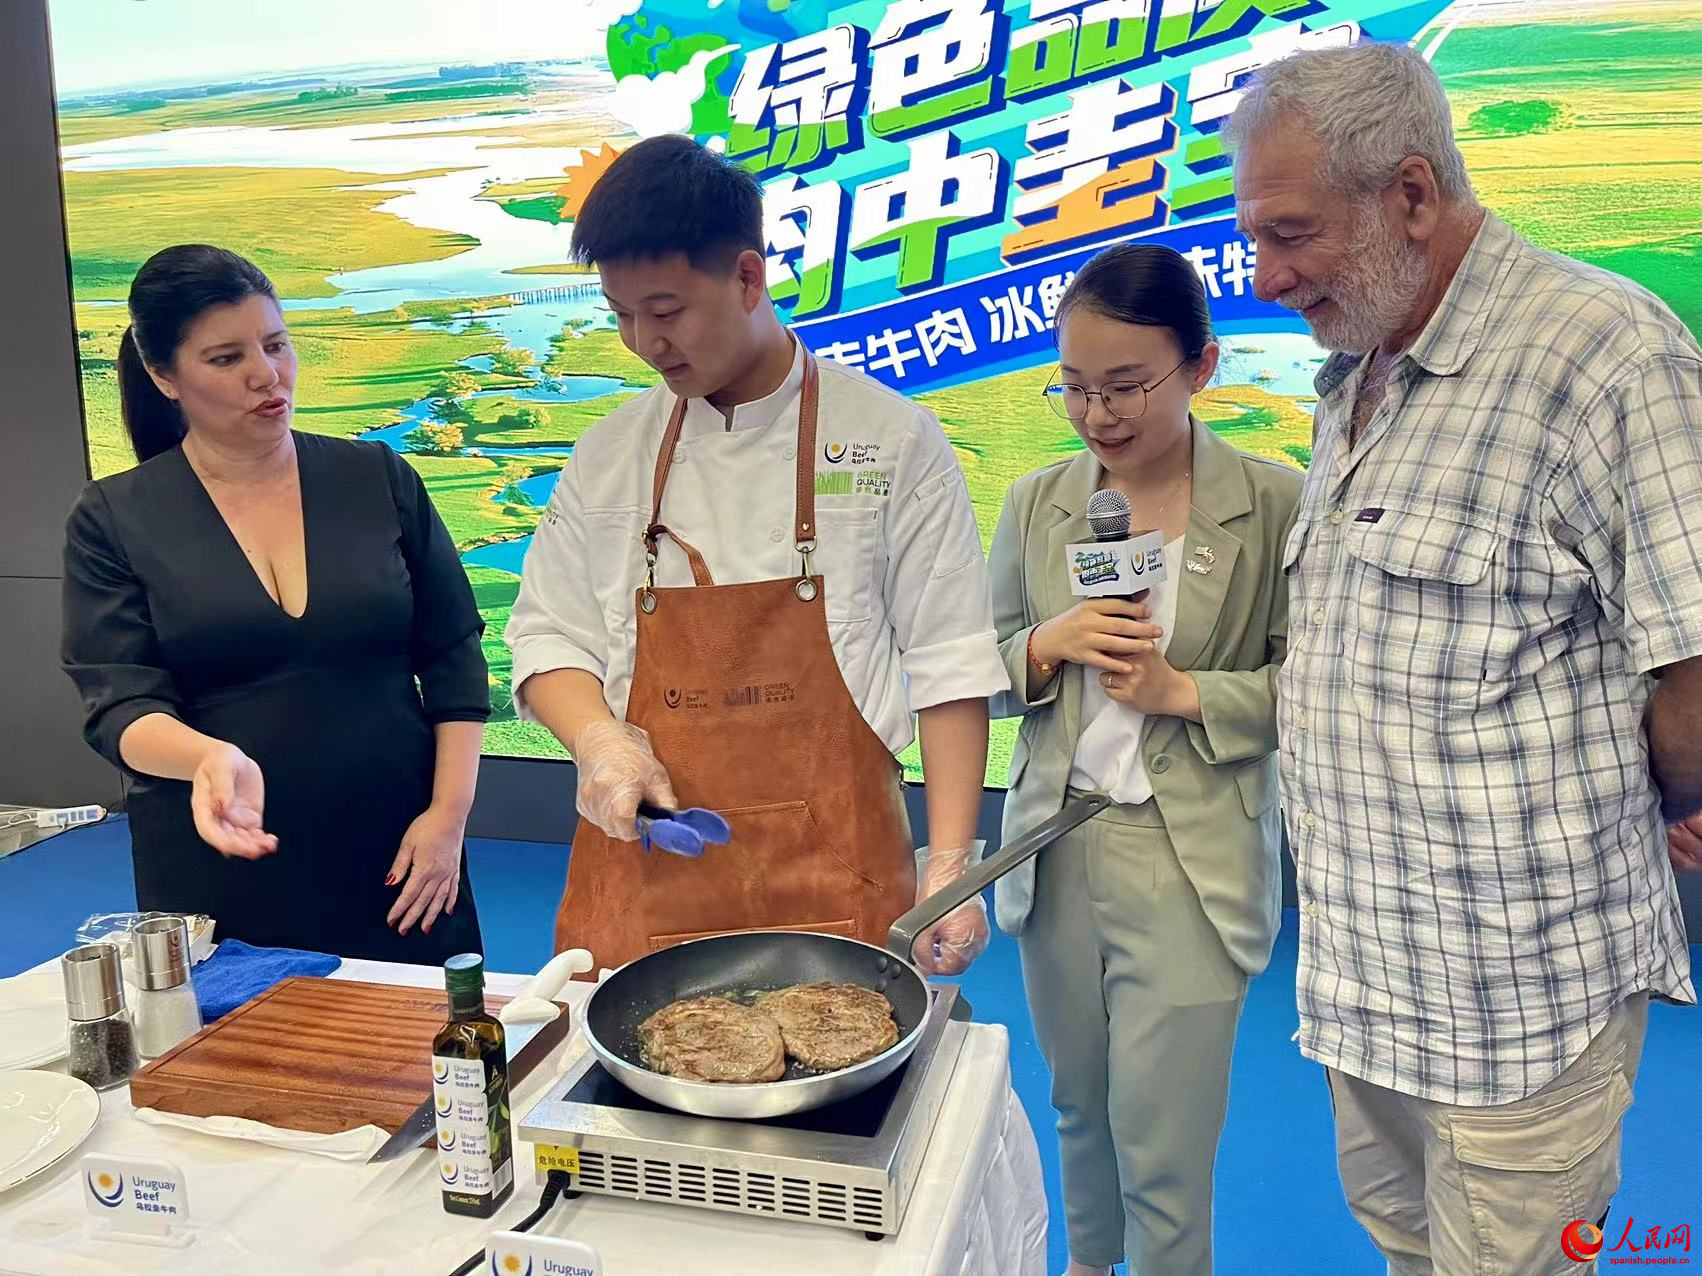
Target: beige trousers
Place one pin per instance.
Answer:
(1456, 1191)
(1135, 1003)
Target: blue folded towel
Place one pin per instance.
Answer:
(238, 972)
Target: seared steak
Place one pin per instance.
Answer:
(713, 1039)
(828, 1026)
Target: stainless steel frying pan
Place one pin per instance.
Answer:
(759, 961)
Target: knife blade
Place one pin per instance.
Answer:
(413, 1133)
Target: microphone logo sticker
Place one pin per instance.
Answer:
(1097, 567)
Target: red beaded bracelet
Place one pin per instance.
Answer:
(1039, 664)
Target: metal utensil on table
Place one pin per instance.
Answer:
(681, 832)
(521, 1030)
(762, 960)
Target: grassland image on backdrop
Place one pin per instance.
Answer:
(407, 172)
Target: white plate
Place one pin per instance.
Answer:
(44, 1117)
(32, 1020)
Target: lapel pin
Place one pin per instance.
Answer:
(1199, 569)
(1204, 551)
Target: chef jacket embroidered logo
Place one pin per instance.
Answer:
(106, 1191)
(859, 453)
(873, 483)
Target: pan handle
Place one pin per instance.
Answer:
(903, 934)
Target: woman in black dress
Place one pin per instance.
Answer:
(274, 638)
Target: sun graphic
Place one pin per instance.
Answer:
(581, 178)
(105, 1181)
(511, 1262)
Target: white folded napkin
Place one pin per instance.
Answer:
(350, 1145)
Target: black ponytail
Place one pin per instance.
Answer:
(154, 422)
(172, 290)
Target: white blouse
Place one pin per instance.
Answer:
(1108, 751)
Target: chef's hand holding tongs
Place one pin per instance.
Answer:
(617, 771)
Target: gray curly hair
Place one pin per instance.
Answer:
(1370, 105)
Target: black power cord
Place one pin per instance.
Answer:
(559, 1182)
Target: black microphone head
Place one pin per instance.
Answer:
(1109, 515)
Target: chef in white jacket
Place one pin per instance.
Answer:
(747, 582)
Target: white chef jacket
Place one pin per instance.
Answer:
(1108, 751)
(909, 611)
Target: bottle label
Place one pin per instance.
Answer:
(472, 1127)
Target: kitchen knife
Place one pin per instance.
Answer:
(525, 1050)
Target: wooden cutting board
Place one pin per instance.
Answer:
(324, 1055)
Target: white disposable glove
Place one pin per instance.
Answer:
(617, 771)
(950, 944)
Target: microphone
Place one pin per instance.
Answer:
(1115, 564)
(1109, 515)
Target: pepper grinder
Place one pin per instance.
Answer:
(166, 1009)
(102, 1048)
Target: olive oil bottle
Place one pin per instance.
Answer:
(469, 1081)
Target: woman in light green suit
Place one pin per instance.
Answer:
(1140, 930)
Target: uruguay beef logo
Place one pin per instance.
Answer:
(446, 1140)
(1580, 1241)
(449, 1172)
(439, 1071)
(1096, 567)
(510, 1265)
(104, 1190)
(834, 452)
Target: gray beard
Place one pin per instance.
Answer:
(1373, 294)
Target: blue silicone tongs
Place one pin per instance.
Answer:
(681, 832)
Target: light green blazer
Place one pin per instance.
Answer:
(1216, 783)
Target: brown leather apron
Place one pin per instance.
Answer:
(748, 711)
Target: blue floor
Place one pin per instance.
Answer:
(1279, 1205)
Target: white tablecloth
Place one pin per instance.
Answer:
(979, 1205)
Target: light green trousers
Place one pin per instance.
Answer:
(1135, 1004)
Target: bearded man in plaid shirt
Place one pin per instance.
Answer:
(1491, 710)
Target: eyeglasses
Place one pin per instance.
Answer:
(1124, 400)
